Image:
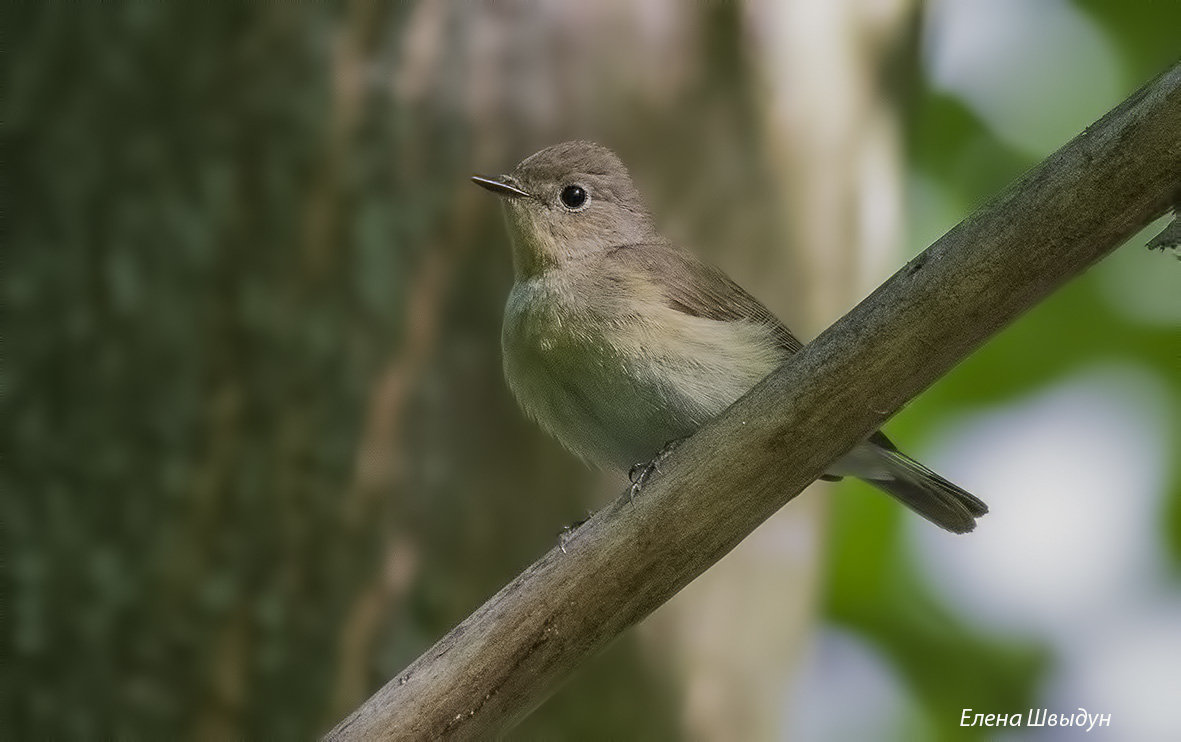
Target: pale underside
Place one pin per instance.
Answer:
(615, 391)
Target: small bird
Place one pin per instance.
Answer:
(620, 343)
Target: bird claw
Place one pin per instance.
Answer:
(567, 532)
(638, 476)
(640, 473)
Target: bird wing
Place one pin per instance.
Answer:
(698, 289)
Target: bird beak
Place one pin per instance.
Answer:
(501, 185)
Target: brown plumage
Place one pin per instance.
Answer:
(617, 341)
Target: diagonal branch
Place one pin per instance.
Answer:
(511, 654)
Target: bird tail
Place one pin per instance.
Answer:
(928, 494)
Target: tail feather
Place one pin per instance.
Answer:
(928, 494)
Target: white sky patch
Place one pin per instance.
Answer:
(1131, 670)
(1142, 284)
(1035, 72)
(1071, 553)
(846, 690)
(1074, 477)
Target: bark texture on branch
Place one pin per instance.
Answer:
(1062, 216)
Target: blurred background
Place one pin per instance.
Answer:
(258, 453)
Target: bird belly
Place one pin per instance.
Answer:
(615, 392)
(593, 403)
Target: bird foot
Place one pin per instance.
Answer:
(567, 532)
(639, 474)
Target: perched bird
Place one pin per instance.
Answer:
(618, 342)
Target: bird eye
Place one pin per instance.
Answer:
(573, 197)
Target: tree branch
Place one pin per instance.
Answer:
(510, 655)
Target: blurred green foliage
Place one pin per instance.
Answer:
(873, 584)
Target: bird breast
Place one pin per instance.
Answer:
(615, 377)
